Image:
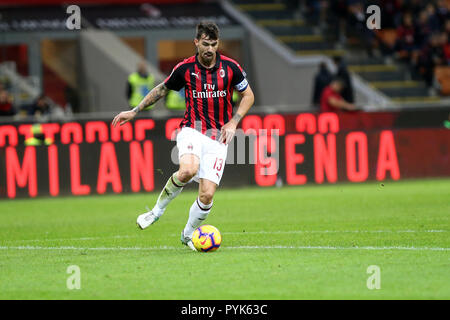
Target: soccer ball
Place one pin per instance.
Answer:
(207, 238)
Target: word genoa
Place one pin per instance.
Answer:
(93, 157)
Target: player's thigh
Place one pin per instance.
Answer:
(189, 141)
(212, 163)
(189, 165)
(189, 146)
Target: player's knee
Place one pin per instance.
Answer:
(186, 174)
(206, 197)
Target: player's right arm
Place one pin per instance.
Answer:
(341, 104)
(154, 95)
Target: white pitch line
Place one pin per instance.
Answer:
(75, 239)
(85, 249)
(336, 231)
(342, 248)
(225, 248)
(237, 233)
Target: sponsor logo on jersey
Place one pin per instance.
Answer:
(209, 92)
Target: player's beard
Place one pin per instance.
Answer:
(207, 58)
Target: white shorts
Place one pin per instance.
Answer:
(212, 153)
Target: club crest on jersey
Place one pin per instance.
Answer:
(222, 73)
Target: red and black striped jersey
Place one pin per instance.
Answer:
(208, 92)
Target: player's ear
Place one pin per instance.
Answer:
(196, 42)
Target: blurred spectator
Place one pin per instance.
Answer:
(433, 19)
(40, 108)
(431, 55)
(339, 10)
(405, 45)
(412, 32)
(139, 84)
(332, 100)
(5, 83)
(344, 75)
(321, 80)
(6, 103)
(442, 11)
(446, 48)
(415, 7)
(391, 13)
(175, 100)
(73, 100)
(422, 29)
(357, 23)
(316, 11)
(447, 27)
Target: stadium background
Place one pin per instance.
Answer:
(402, 132)
(84, 72)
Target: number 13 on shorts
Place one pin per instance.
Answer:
(217, 168)
(218, 164)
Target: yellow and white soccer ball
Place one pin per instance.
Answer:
(207, 238)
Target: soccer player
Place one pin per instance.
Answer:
(209, 79)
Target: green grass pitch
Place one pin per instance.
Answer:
(308, 242)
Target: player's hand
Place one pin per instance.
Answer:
(353, 107)
(123, 117)
(227, 132)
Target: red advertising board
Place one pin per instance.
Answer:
(91, 157)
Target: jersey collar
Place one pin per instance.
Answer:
(216, 66)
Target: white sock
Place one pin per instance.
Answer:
(197, 214)
(170, 191)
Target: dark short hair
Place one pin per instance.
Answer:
(341, 81)
(337, 59)
(209, 29)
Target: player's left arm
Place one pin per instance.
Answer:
(229, 129)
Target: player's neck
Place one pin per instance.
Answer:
(206, 64)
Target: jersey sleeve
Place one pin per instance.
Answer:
(175, 81)
(239, 81)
